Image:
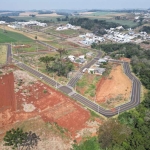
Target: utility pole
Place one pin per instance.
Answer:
(56, 85)
(118, 110)
(98, 108)
(95, 97)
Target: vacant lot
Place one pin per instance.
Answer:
(34, 98)
(87, 85)
(115, 89)
(3, 54)
(24, 47)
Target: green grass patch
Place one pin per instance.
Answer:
(129, 23)
(3, 54)
(10, 36)
(29, 47)
(101, 13)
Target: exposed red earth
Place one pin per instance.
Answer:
(38, 99)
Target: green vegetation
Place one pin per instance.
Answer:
(139, 122)
(101, 13)
(88, 144)
(131, 129)
(87, 84)
(7, 19)
(10, 36)
(129, 132)
(3, 54)
(146, 29)
(23, 47)
(68, 32)
(140, 59)
(96, 26)
(58, 66)
(129, 23)
(46, 19)
(16, 138)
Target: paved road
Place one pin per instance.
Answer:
(45, 44)
(135, 94)
(9, 54)
(79, 74)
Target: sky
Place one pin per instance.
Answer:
(72, 4)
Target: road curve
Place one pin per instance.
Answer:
(135, 94)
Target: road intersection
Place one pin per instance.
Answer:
(68, 89)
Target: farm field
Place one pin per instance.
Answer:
(102, 15)
(3, 54)
(38, 104)
(10, 36)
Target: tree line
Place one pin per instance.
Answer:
(96, 26)
(146, 29)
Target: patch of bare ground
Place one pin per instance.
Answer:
(145, 46)
(43, 109)
(115, 89)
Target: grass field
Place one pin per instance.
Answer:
(3, 54)
(129, 23)
(10, 36)
(64, 33)
(29, 47)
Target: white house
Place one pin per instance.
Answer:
(102, 60)
(71, 58)
(2, 22)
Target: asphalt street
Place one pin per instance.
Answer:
(135, 94)
(79, 74)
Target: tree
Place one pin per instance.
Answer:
(46, 60)
(15, 138)
(31, 140)
(112, 133)
(20, 140)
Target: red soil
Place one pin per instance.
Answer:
(7, 96)
(52, 106)
(116, 84)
